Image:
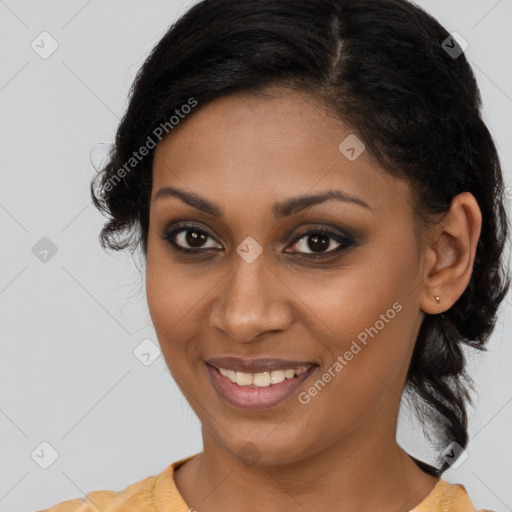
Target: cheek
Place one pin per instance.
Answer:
(172, 290)
(354, 297)
(168, 300)
(177, 300)
(365, 313)
(364, 373)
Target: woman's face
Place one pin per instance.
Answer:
(262, 281)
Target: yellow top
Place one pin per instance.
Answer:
(159, 494)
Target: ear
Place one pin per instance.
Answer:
(450, 254)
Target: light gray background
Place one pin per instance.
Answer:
(68, 373)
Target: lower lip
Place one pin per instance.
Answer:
(247, 397)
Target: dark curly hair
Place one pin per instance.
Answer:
(385, 69)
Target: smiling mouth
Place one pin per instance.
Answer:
(262, 379)
(258, 390)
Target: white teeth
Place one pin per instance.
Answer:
(300, 371)
(262, 379)
(289, 374)
(278, 376)
(243, 379)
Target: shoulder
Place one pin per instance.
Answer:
(137, 497)
(447, 497)
(148, 495)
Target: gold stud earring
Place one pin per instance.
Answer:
(438, 300)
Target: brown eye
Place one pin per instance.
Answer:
(190, 239)
(321, 242)
(195, 238)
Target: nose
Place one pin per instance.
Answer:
(251, 301)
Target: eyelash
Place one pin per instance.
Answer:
(344, 241)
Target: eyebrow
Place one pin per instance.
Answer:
(280, 209)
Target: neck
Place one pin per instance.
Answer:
(364, 472)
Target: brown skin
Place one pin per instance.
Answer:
(339, 451)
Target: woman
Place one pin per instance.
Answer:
(321, 211)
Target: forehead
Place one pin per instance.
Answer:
(266, 147)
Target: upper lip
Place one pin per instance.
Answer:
(239, 364)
